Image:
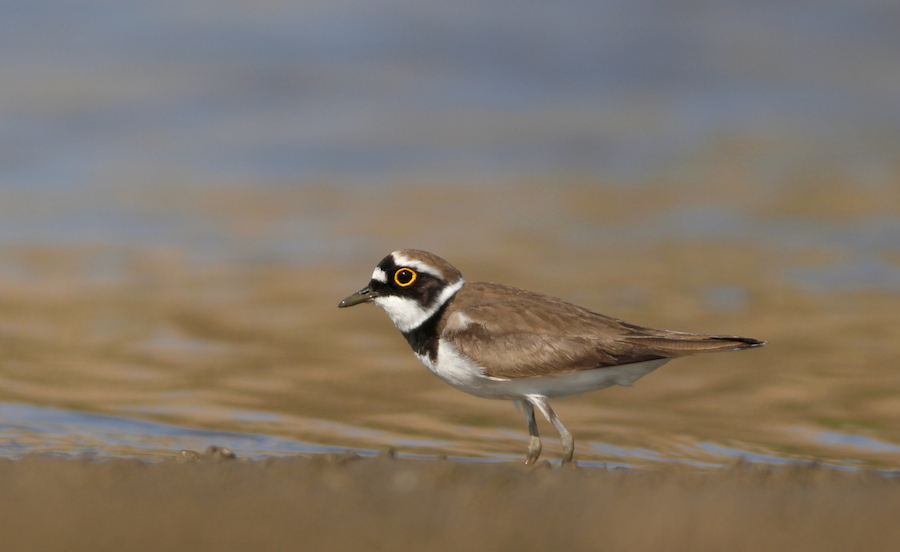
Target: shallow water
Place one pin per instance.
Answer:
(219, 314)
(185, 198)
(27, 429)
(224, 92)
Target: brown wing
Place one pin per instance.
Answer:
(498, 326)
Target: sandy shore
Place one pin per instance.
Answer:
(253, 342)
(345, 502)
(246, 344)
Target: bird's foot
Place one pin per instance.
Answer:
(534, 450)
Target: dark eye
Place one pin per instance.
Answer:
(405, 277)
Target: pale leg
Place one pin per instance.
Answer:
(534, 445)
(568, 443)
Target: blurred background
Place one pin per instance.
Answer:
(187, 189)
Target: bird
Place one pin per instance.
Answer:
(501, 342)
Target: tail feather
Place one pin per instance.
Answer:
(678, 344)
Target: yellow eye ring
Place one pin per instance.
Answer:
(405, 277)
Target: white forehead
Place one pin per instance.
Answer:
(379, 275)
(402, 260)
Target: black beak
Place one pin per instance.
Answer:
(362, 296)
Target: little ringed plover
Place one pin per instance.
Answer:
(500, 342)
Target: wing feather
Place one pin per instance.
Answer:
(516, 333)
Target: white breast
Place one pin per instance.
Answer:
(465, 375)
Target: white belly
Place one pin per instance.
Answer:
(467, 376)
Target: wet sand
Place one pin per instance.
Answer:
(345, 502)
(218, 329)
(227, 319)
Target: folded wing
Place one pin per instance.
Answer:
(501, 326)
